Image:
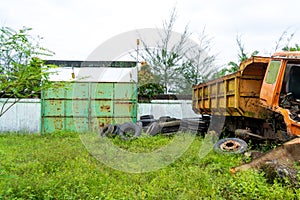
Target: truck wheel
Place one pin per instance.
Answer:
(129, 130)
(231, 146)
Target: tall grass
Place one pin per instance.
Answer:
(59, 167)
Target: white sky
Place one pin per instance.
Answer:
(73, 29)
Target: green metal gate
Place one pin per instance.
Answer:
(87, 106)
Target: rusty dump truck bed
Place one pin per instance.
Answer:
(236, 94)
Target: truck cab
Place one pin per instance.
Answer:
(280, 91)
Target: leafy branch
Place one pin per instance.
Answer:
(22, 73)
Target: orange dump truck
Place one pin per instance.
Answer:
(262, 97)
(260, 100)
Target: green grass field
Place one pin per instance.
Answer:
(58, 166)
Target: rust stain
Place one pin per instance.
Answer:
(101, 125)
(104, 108)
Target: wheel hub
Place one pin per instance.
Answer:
(230, 145)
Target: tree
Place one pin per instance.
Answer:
(284, 40)
(165, 57)
(173, 62)
(242, 56)
(199, 64)
(291, 48)
(147, 86)
(22, 73)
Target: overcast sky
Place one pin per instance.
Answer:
(73, 29)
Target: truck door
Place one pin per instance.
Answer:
(270, 90)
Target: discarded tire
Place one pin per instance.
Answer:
(170, 126)
(107, 130)
(147, 122)
(164, 118)
(153, 129)
(146, 117)
(231, 146)
(194, 125)
(129, 130)
(116, 129)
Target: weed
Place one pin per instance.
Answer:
(59, 167)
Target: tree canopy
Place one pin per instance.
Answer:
(177, 62)
(23, 73)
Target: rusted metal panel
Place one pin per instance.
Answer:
(121, 120)
(102, 91)
(86, 106)
(124, 109)
(102, 108)
(77, 124)
(49, 124)
(76, 107)
(97, 122)
(236, 94)
(124, 91)
(54, 107)
(55, 93)
(287, 153)
(78, 91)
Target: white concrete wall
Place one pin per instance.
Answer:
(173, 108)
(24, 116)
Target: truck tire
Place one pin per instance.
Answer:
(116, 129)
(147, 122)
(167, 119)
(194, 125)
(129, 130)
(107, 130)
(146, 117)
(153, 129)
(230, 146)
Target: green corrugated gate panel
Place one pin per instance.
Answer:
(96, 122)
(125, 91)
(121, 120)
(102, 108)
(54, 107)
(102, 91)
(55, 93)
(52, 123)
(124, 109)
(77, 108)
(77, 124)
(85, 106)
(78, 91)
